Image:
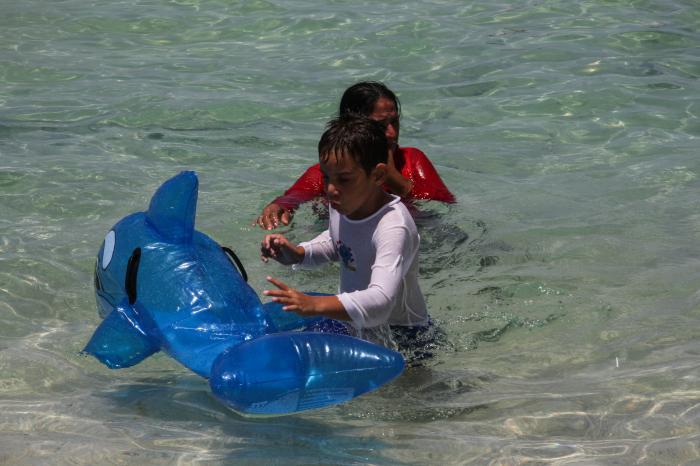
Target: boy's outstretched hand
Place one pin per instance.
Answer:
(279, 248)
(307, 306)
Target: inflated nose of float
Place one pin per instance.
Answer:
(285, 373)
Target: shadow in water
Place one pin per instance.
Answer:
(423, 394)
(181, 412)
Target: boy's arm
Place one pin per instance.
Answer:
(310, 253)
(279, 248)
(395, 250)
(305, 305)
(319, 250)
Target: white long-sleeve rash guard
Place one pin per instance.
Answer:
(379, 266)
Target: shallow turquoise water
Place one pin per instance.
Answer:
(566, 276)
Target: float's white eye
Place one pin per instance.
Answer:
(108, 250)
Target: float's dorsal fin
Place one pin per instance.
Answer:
(173, 207)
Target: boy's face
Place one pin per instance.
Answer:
(350, 190)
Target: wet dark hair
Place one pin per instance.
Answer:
(361, 97)
(355, 136)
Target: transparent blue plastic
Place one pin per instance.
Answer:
(162, 285)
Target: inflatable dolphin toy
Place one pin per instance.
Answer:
(162, 285)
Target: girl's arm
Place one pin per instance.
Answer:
(427, 183)
(309, 186)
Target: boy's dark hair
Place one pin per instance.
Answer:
(361, 97)
(355, 136)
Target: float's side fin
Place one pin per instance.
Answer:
(119, 341)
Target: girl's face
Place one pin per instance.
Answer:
(385, 112)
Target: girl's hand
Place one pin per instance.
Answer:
(395, 181)
(272, 215)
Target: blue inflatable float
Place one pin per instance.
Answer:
(162, 285)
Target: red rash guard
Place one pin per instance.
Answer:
(411, 162)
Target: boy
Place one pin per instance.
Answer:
(370, 231)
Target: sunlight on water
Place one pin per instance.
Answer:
(564, 279)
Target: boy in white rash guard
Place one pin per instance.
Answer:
(370, 232)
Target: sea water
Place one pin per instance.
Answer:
(566, 276)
